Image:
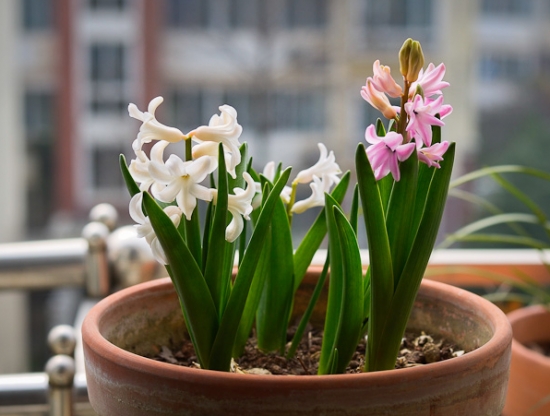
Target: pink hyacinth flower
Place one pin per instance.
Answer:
(432, 155)
(422, 116)
(431, 80)
(378, 100)
(384, 82)
(386, 152)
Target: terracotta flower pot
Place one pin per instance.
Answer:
(122, 383)
(529, 386)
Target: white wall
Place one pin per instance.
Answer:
(13, 311)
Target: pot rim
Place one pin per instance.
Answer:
(522, 314)
(496, 319)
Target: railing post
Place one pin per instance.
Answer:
(97, 264)
(61, 370)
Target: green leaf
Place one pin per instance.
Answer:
(400, 216)
(495, 238)
(274, 308)
(405, 293)
(128, 179)
(315, 235)
(381, 281)
(215, 273)
(223, 345)
(195, 299)
(493, 220)
(309, 310)
(335, 292)
(480, 173)
(253, 300)
(193, 235)
(352, 304)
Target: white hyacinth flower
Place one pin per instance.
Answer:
(239, 205)
(139, 167)
(269, 173)
(145, 229)
(326, 167)
(317, 197)
(223, 129)
(182, 181)
(151, 129)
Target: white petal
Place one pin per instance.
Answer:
(134, 112)
(325, 165)
(153, 104)
(269, 171)
(235, 228)
(135, 210)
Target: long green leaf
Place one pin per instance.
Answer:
(274, 308)
(192, 290)
(400, 215)
(493, 220)
(352, 303)
(381, 281)
(215, 274)
(253, 300)
(128, 179)
(480, 173)
(514, 240)
(405, 294)
(223, 345)
(335, 293)
(309, 310)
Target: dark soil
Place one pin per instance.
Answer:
(416, 349)
(542, 347)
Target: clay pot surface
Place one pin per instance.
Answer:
(529, 386)
(123, 383)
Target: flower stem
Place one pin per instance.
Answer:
(402, 125)
(188, 149)
(291, 202)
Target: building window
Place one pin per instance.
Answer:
(185, 14)
(106, 170)
(507, 7)
(399, 13)
(306, 13)
(107, 4)
(37, 14)
(39, 132)
(39, 117)
(107, 62)
(387, 23)
(259, 111)
(108, 76)
(184, 109)
(299, 110)
(245, 14)
(505, 68)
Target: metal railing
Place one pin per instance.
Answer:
(102, 260)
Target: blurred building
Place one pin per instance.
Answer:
(291, 68)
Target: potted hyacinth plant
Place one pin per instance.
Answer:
(234, 270)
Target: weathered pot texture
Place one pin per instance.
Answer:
(130, 322)
(529, 386)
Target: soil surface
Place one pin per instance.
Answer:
(416, 349)
(542, 347)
